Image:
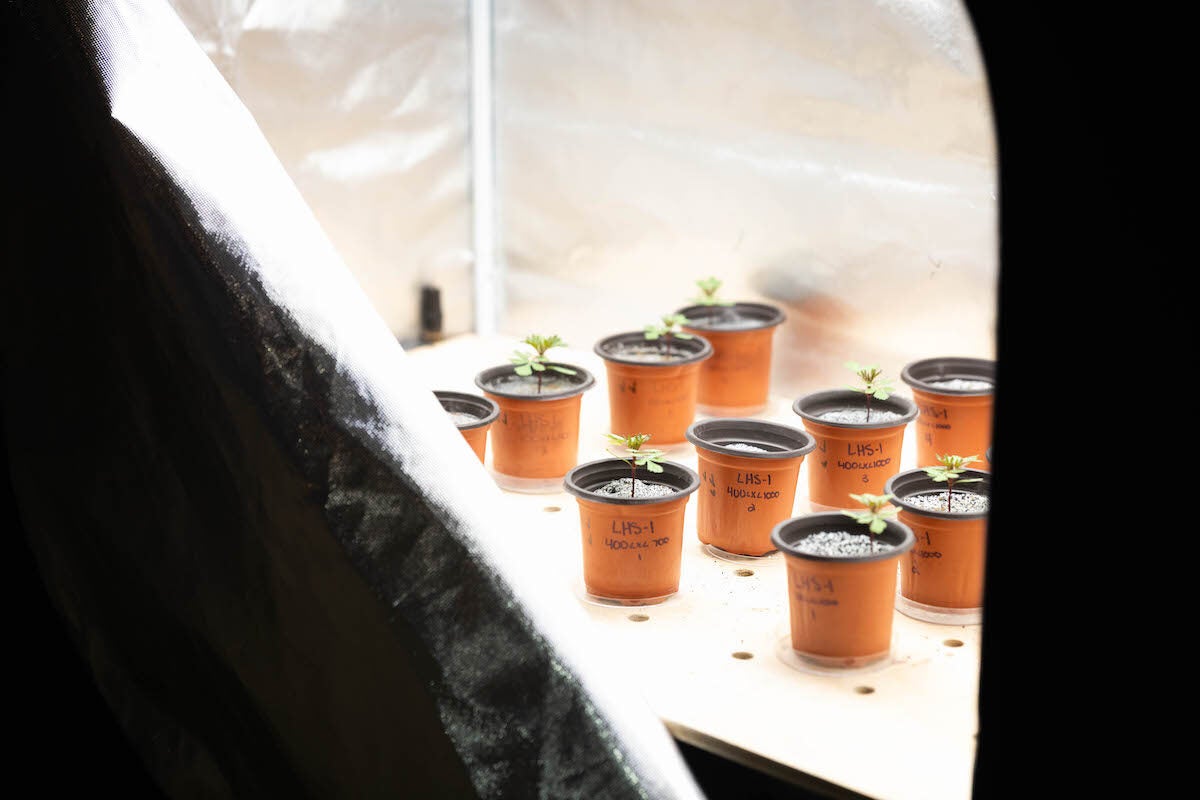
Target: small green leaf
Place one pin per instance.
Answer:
(650, 465)
(563, 370)
(524, 370)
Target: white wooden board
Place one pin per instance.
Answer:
(902, 730)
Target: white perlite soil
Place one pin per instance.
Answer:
(620, 487)
(747, 448)
(650, 352)
(516, 384)
(965, 502)
(962, 384)
(859, 415)
(840, 544)
(462, 418)
(725, 321)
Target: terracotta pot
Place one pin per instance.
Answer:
(736, 381)
(654, 397)
(840, 608)
(952, 421)
(535, 438)
(632, 546)
(744, 495)
(941, 578)
(476, 415)
(850, 457)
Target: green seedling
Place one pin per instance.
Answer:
(875, 515)
(633, 455)
(875, 385)
(949, 470)
(527, 364)
(668, 329)
(708, 296)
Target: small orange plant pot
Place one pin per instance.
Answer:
(748, 473)
(955, 400)
(736, 381)
(473, 415)
(650, 391)
(535, 438)
(941, 578)
(632, 546)
(851, 457)
(840, 608)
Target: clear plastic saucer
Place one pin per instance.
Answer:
(617, 602)
(528, 485)
(735, 558)
(730, 411)
(938, 615)
(825, 665)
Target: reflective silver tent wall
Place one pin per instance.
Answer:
(531, 157)
(230, 492)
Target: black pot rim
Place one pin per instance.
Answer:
(764, 315)
(684, 479)
(915, 481)
(472, 402)
(584, 381)
(917, 374)
(834, 399)
(705, 350)
(698, 430)
(835, 520)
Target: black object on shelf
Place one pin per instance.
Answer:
(431, 314)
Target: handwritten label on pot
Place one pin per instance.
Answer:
(537, 427)
(917, 552)
(632, 527)
(928, 418)
(747, 486)
(814, 590)
(864, 455)
(637, 535)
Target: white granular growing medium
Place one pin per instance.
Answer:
(859, 415)
(962, 384)
(748, 448)
(521, 385)
(620, 488)
(840, 544)
(461, 418)
(965, 502)
(649, 352)
(727, 320)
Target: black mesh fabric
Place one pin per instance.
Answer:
(233, 516)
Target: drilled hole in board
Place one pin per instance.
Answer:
(743, 655)
(953, 643)
(552, 509)
(638, 617)
(865, 689)
(745, 573)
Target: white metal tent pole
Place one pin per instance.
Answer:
(483, 171)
